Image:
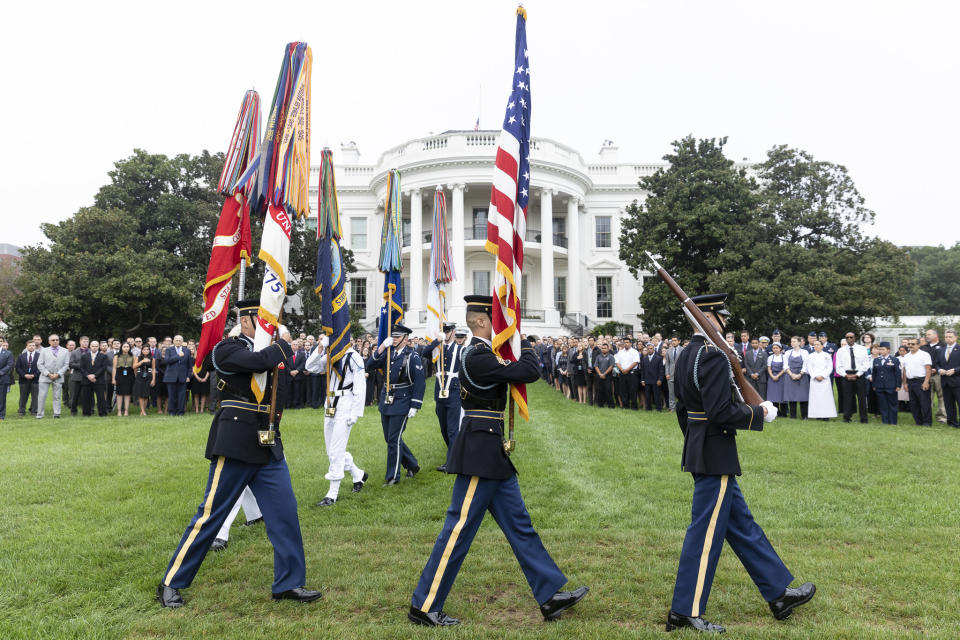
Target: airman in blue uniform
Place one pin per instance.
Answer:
(709, 416)
(400, 399)
(886, 378)
(446, 390)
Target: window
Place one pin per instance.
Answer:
(560, 294)
(479, 229)
(404, 293)
(358, 234)
(405, 231)
(523, 295)
(603, 232)
(481, 283)
(604, 296)
(358, 295)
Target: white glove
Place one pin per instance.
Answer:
(324, 341)
(352, 420)
(411, 413)
(771, 411)
(387, 342)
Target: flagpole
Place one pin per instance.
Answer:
(276, 375)
(242, 284)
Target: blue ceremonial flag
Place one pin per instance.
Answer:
(390, 262)
(328, 283)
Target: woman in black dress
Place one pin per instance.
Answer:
(580, 374)
(200, 384)
(145, 379)
(123, 378)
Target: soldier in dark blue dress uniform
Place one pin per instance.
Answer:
(886, 378)
(710, 415)
(401, 402)
(487, 480)
(238, 459)
(446, 390)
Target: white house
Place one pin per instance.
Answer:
(573, 278)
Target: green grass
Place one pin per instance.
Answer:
(93, 508)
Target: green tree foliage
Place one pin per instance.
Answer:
(136, 261)
(935, 287)
(788, 247)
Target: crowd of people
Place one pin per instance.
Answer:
(807, 377)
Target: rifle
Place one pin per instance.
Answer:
(701, 324)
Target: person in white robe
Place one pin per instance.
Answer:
(819, 367)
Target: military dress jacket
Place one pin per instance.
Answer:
(484, 384)
(885, 373)
(708, 412)
(407, 380)
(233, 433)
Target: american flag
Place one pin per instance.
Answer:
(507, 220)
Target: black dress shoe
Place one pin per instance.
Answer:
(677, 621)
(359, 485)
(391, 482)
(783, 606)
(413, 472)
(561, 601)
(326, 502)
(219, 545)
(431, 619)
(250, 523)
(168, 596)
(442, 468)
(299, 594)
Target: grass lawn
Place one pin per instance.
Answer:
(93, 508)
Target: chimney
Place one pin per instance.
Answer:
(349, 154)
(608, 151)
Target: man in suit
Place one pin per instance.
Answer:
(486, 480)
(298, 370)
(709, 416)
(742, 346)
(243, 451)
(401, 401)
(28, 373)
(54, 362)
(7, 364)
(93, 367)
(755, 364)
(669, 366)
(948, 366)
(652, 374)
(76, 373)
(590, 355)
(546, 361)
(177, 359)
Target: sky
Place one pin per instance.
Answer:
(870, 85)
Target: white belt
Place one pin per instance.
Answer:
(447, 374)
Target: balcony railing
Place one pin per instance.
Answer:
(471, 233)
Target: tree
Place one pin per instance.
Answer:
(697, 218)
(8, 288)
(935, 287)
(788, 248)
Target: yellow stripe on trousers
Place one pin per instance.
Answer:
(464, 510)
(207, 508)
(707, 544)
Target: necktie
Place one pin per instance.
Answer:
(852, 361)
(949, 349)
(29, 359)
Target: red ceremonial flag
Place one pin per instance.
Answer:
(507, 219)
(230, 245)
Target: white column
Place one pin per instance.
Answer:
(573, 255)
(457, 309)
(551, 317)
(416, 257)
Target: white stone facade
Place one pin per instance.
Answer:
(577, 201)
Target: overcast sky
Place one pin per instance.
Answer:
(870, 85)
